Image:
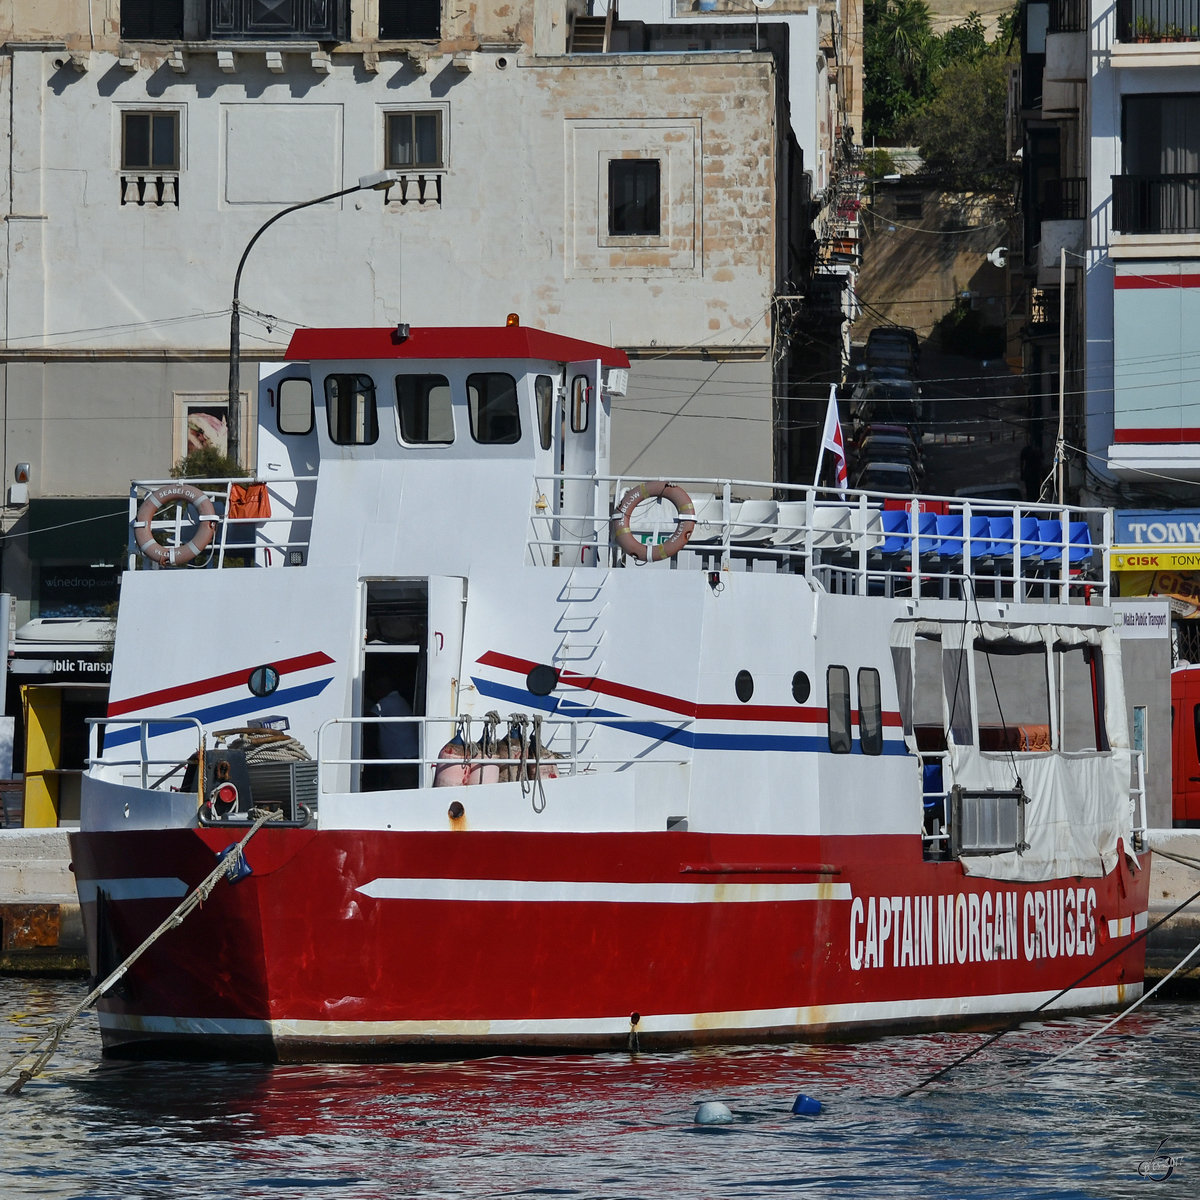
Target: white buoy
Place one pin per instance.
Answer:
(713, 1112)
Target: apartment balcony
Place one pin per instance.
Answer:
(1062, 212)
(1156, 204)
(1157, 34)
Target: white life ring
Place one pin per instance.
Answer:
(684, 508)
(171, 493)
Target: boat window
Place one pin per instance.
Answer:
(743, 686)
(543, 390)
(800, 687)
(350, 400)
(423, 406)
(581, 394)
(1081, 721)
(1013, 696)
(870, 711)
(294, 411)
(837, 686)
(492, 404)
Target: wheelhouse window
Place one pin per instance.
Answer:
(837, 686)
(543, 391)
(492, 405)
(406, 20)
(149, 140)
(414, 140)
(279, 18)
(294, 411)
(634, 197)
(350, 400)
(870, 711)
(151, 20)
(424, 409)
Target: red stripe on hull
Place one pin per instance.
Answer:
(297, 941)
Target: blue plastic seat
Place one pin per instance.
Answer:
(1050, 541)
(1000, 530)
(950, 535)
(1079, 543)
(980, 540)
(896, 530)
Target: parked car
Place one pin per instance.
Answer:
(892, 478)
(884, 447)
(892, 346)
(1009, 493)
(888, 397)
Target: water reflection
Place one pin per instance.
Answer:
(611, 1126)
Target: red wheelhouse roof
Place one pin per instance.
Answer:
(502, 341)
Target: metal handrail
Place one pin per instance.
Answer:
(144, 761)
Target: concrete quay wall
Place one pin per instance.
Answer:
(41, 929)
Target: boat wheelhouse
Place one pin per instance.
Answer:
(530, 755)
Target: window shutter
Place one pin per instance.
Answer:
(402, 20)
(151, 19)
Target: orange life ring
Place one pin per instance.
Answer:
(171, 493)
(684, 509)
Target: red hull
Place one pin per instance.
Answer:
(560, 940)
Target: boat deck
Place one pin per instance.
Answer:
(853, 542)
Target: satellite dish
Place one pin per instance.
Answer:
(763, 3)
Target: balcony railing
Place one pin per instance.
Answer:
(1068, 16)
(1156, 203)
(1063, 200)
(1158, 20)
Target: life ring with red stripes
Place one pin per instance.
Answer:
(174, 493)
(685, 524)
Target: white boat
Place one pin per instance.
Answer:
(824, 765)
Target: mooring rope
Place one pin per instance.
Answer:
(1124, 1013)
(227, 866)
(995, 1037)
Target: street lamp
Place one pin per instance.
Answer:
(378, 181)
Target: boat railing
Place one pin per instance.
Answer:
(260, 523)
(144, 764)
(855, 541)
(565, 749)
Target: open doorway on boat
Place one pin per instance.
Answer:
(396, 629)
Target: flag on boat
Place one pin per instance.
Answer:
(831, 440)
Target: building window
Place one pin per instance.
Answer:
(1159, 189)
(149, 141)
(279, 18)
(633, 197)
(151, 20)
(408, 20)
(423, 405)
(414, 140)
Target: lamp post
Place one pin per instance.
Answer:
(377, 181)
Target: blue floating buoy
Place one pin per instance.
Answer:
(806, 1106)
(713, 1112)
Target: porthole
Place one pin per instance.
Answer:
(801, 688)
(743, 685)
(542, 680)
(263, 681)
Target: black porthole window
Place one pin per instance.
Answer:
(743, 685)
(801, 688)
(542, 680)
(263, 681)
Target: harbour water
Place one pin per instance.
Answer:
(1114, 1119)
